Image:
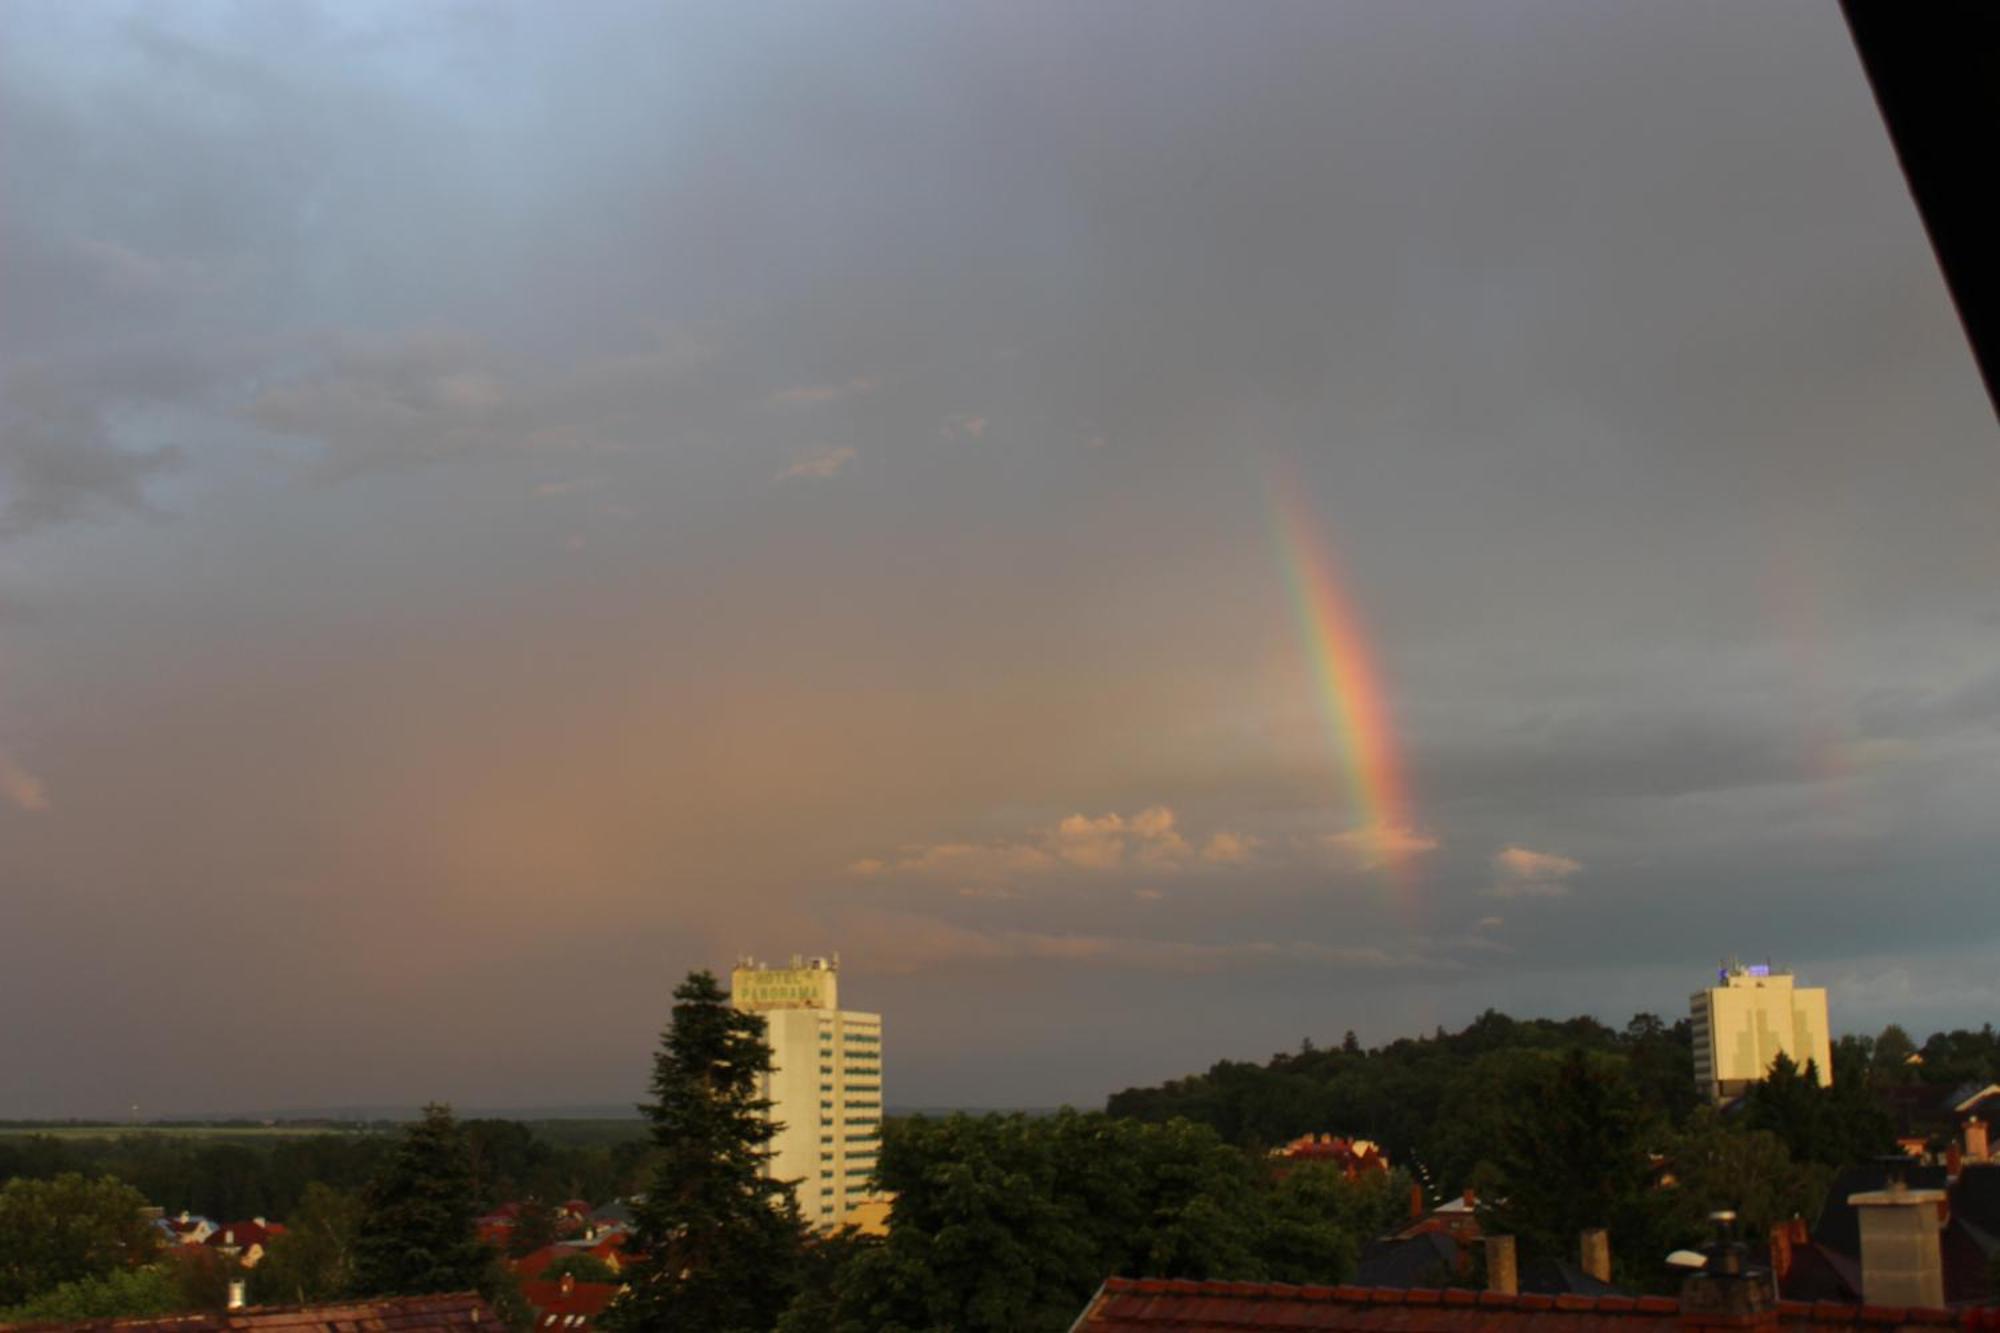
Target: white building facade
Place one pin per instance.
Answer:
(825, 1087)
(1750, 1017)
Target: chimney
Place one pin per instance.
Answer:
(1416, 1203)
(1501, 1275)
(1471, 1197)
(1900, 1262)
(1975, 1139)
(1781, 1250)
(1954, 1160)
(568, 1283)
(1727, 1294)
(1594, 1253)
(236, 1289)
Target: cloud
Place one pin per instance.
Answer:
(810, 395)
(1521, 873)
(961, 426)
(1111, 843)
(434, 395)
(819, 463)
(1228, 849)
(1377, 845)
(23, 789)
(906, 942)
(58, 461)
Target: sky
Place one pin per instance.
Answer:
(1155, 531)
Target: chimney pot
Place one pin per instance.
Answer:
(1900, 1259)
(1975, 1139)
(236, 1289)
(1594, 1253)
(1501, 1275)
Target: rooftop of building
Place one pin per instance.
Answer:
(1158, 1305)
(464, 1312)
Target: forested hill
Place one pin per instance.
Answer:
(1439, 1103)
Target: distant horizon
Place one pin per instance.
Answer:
(402, 1111)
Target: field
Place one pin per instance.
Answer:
(224, 1133)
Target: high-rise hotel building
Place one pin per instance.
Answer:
(1750, 1017)
(825, 1087)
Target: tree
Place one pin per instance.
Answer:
(122, 1293)
(721, 1239)
(534, 1226)
(416, 1234)
(1893, 1049)
(582, 1267)
(313, 1260)
(68, 1229)
(1571, 1154)
(1713, 1165)
(1790, 1103)
(1005, 1224)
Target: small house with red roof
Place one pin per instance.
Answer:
(566, 1305)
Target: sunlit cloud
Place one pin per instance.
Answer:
(1228, 849)
(1150, 840)
(1521, 873)
(1376, 845)
(819, 463)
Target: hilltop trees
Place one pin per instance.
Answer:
(722, 1241)
(1006, 1223)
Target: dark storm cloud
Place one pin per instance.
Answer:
(635, 468)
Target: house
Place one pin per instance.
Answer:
(567, 1305)
(1354, 1157)
(186, 1228)
(246, 1242)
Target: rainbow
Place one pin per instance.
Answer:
(1348, 687)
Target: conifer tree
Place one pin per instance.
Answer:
(416, 1233)
(721, 1240)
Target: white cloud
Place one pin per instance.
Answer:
(1374, 846)
(23, 789)
(1521, 873)
(819, 463)
(1150, 840)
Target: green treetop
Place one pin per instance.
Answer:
(416, 1233)
(721, 1239)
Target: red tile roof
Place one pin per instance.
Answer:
(461, 1312)
(1156, 1305)
(567, 1304)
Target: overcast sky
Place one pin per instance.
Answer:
(502, 504)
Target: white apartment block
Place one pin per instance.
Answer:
(825, 1087)
(1744, 1022)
